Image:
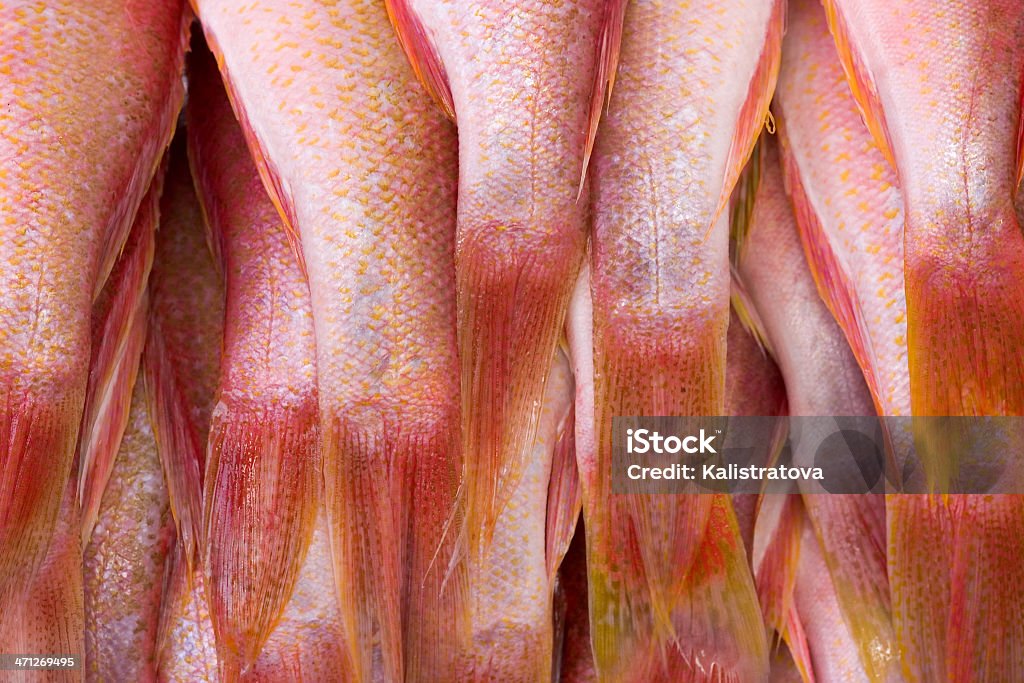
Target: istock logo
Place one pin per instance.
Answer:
(640, 441)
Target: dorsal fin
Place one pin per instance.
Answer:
(608, 44)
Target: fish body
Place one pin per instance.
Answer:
(262, 480)
(822, 378)
(513, 584)
(940, 88)
(362, 166)
(516, 77)
(848, 206)
(668, 151)
(91, 93)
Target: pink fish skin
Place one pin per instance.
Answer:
(516, 77)
(822, 378)
(940, 87)
(125, 557)
(848, 205)
(90, 92)
(262, 479)
(669, 150)
(363, 167)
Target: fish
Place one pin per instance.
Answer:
(669, 150)
(516, 78)
(848, 205)
(363, 168)
(262, 484)
(944, 110)
(753, 387)
(181, 370)
(835, 654)
(849, 213)
(940, 89)
(513, 584)
(822, 378)
(91, 92)
(126, 554)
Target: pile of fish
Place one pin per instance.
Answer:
(316, 315)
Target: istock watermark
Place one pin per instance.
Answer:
(829, 454)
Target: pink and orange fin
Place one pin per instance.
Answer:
(754, 112)
(48, 616)
(564, 496)
(422, 54)
(608, 44)
(860, 79)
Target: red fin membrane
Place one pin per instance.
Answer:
(422, 54)
(608, 45)
(47, 618)
(119, 333)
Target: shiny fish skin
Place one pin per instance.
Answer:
(512, 583)
(940, 87)
(90, 102)
(848, 205)
(262, 479)
(363, 167)
(822, 378)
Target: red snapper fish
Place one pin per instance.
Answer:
(91, 92)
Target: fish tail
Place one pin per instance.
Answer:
(512, 302)
(37, 441)
(381, 495)
(965, 313)
(261, 499)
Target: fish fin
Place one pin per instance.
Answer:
(608, 44)
(262, 492)
(38, 436)
(776, 580)
(48, 616)
(754, 113)
(415, 40)
(513, 305)
(1020, 146)
(151, 163)
(861, 82)
(564, 496)
(851, 533)
(920, 561)
(279, 194)
(119, 334)
(985, 637)
(400, 480)
(833, 281)
(177, 443)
